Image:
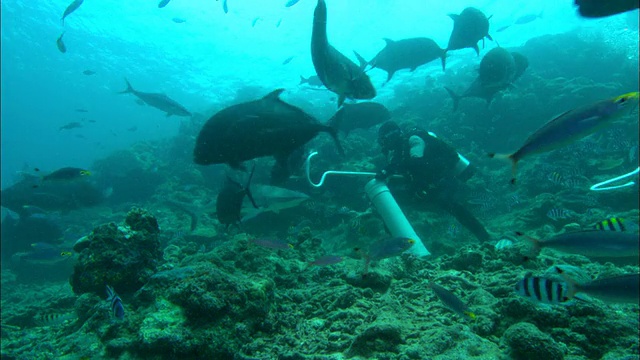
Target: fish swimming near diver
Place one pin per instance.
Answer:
(230, 199)
(615, 289)
(570, 126)
(71, 8)
(273, 199)
(405, 54)
(603, 8)
(361, 115)
(469, 27)
(451, 301)
(159, 101)
(542, 290)
(386, 248)
(263, 127)
(336, 71)
(60, 44)
(496, 74)
(593, 244)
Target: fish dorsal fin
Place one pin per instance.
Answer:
(388, 41)
(454, 17)
(274, 95)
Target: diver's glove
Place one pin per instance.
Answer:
(382, 175)
(386, 172)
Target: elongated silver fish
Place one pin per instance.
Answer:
(590, 243)
(570, 126)
(615, 289)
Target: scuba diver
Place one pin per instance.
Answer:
(432, 169)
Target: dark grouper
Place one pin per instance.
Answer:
(336, 71)
(469, 27)
(406, 54)
(264, 127)
(158, 101)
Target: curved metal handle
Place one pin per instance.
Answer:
(599, 186)
(330, 172)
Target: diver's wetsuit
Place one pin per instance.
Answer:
(429, 164)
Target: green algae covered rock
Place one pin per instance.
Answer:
(527, 342)
(124, 257)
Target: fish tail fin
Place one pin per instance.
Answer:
(303, 80)
(455, 97)
(535, 244)
(129, 88)
(247, 188)
(514, 163)
(443, 58)
(333, 131)
(572, 286)
(361, 60)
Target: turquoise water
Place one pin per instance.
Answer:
(194, 288)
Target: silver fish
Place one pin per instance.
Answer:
(570, 126)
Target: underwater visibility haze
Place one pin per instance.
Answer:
(319, 179)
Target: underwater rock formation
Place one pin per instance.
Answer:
(125, 257)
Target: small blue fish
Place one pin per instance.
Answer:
(290, 3)
(163, 3)
(287, 60)
(278, 23)
(255, 21)
(116, 303)
(178, 20)
(225, 8)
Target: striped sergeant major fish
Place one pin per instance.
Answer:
(116, 304)
(616, 224)
(542, 290)
(570, 126)
(615, 289)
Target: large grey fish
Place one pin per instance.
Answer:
(590, 243)
(571, 126)
(71, 8)
(469, 27)
(602, 8)
(158, 101)
(263, 127)
(405, 54)
(614, 289)
(359, 116)
(229, 201)
(336, 71)
(492, 71)
(273, 199)
(497, 67)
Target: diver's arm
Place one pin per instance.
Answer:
(416, 147)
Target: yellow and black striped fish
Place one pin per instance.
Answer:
(611, 224)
